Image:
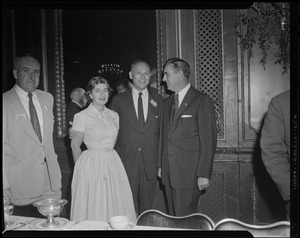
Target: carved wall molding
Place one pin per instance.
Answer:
(59, 74)
(160, 43)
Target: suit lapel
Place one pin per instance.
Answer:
(46, 117)
(21, 116)
(152, 105)
(185, 102)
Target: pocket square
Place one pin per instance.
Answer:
(186, 116)
(153, 102)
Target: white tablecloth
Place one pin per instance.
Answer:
(23, 223)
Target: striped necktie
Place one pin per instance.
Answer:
(34, 118)
(176, 103)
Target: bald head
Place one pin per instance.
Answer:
(77, 95)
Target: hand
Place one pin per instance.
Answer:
(72, 133)
(159, 172)
(7, 196)
(203, 183)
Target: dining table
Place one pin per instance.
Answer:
(22, 223)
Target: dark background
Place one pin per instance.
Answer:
(95, 37)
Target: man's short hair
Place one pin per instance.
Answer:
(179, 64)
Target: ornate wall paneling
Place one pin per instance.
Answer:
(161, 45)
(256, 88)
(59, 74)
(216, 75)
(200, 37)
(260, 200)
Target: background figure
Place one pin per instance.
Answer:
(153, 79)
(100, 187)
(137, 142)
(76, 105)
(122, 86)
(188, 140)
(275, 144)
(30, 168)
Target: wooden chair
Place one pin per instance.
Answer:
(159, 219)
(278, 229)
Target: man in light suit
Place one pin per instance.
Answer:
(275, 144)
(187, 141)
(137, 142)
(30, 168)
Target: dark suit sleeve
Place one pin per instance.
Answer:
(207, 137)
(72, 109)
(273, 148)
(113, 105)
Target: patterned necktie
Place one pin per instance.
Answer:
(176, 103)
(140, 110)
(34, 118)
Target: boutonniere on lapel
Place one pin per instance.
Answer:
(20, 116)
(153, 103)
(46, 106)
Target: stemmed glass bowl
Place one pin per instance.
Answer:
(50, 207)
(8, 208)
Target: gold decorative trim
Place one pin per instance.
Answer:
(59, 74)
(160, 42)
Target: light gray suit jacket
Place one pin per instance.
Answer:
(23, 153)
(275, 142)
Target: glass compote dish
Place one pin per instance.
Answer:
(8, 208)
(50, 207)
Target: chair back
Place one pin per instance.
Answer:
(157, 218)
(278, 229)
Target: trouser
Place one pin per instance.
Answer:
(182, 202)
(143, 190)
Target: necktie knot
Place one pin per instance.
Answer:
(30, 95)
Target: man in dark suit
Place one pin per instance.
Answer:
(137, 142)
(76, 105)
(188, 140)
(275, 144)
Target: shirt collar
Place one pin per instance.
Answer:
(23, 93)
(183, 92)
(77, 103)
(95, 110)
(135, 92)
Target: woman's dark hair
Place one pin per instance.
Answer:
(92, 84)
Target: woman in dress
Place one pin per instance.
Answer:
(100, 187)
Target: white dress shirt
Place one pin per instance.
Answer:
(25, 101)
(182, 94)
(145, 98)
